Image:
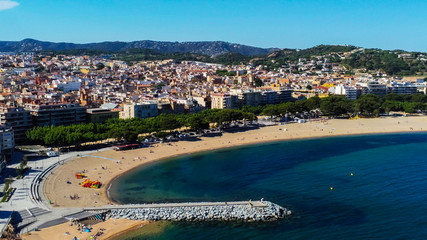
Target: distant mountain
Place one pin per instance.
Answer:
(211, 48)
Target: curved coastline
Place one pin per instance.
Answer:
(388, 173)
(170, 158)
(310, 130)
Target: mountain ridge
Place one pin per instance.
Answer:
(211, 48)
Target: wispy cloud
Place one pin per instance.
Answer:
(7, 4)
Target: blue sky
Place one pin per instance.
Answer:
(386, 24)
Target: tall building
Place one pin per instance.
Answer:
(56, 114)
(221, 101)
(350, 92)
(377, 89)
(250, 98)
(285, 95)
(7, 142)
(239, 98)
(276, 96)
(18, 119)
(205, 102)
(353, 93)
(403, 88)
(270, 97)
(139, 110)
(100, 115)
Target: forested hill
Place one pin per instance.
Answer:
(210, 48)
(142, 54)
(395, 62)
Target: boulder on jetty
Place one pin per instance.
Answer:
(227, 212)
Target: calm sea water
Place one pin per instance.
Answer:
(386, 198)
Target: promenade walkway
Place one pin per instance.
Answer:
(28, 196)
(111, 159)
(186, 204)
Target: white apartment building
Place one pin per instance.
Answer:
(403, 88)
(139, 110)
(350, 92)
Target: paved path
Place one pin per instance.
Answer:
(29, 189)
(99, 157)
(187, 204)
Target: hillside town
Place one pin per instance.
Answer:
(38, 90)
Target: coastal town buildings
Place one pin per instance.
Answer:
(349, 92)
(7, 143)
(221, 101)
(249, 98)
(18, 119)
(56, 114)
(100, 115)
(403, 88)
(42, 90)
(139, 110)
(376, 89)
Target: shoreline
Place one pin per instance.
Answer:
(127, 230)
(112, 229)
(108, 184)
(130, 160)
(264, 135)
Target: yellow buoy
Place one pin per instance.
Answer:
(332, 188)
(351, 174)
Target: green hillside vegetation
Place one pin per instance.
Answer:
(75, 52)
(284, 57)
(231, 59)
(386, 61)
(309, 53)
(134, 55)
(368, 60)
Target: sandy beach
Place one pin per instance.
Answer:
(111, 228)
(105, 166)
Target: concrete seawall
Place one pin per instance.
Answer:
(208, 211)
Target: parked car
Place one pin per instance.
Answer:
(51, 154)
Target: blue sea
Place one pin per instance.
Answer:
(379, 188)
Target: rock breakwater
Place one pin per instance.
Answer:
(266, 211)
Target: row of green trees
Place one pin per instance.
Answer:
(129, 129)
(367, 105)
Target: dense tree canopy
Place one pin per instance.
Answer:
(336, 105)
(129, 129)
(368, 105)
(223, 72)
(386, 61)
